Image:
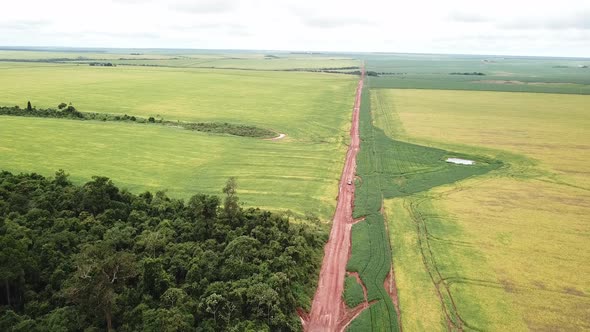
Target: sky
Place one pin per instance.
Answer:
(515, 27)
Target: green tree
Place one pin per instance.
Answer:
(154, 278)
(230, 204)
(100, 273)
(213, 303)
(14, 258)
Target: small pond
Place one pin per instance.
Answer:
(460, 161)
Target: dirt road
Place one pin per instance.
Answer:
(328, 311)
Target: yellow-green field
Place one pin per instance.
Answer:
(510, 247)
(250, 62)
(302, 105)
(181, 59)
(299, 172)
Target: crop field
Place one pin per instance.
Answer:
(250, 63)
(275, 100)
(505, 250)
(390, 168)
(371, 259)
(495, 73)
(184, 59)
(354, 294)
(312, 109)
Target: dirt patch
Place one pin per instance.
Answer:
(281, 136)
(391, 288)
(351, 314)
(508, 286)
(573, 291)
(357, 220)
(539, 285)
(389, 282)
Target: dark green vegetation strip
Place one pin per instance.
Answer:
(362, 323)
(69, 112)
(353, 292)
(389, 168)
(371, 258)
(456, 82)
(94, 257)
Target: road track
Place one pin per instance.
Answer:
(328, 311)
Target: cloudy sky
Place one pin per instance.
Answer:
(518, 27)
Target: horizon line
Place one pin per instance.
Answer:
(310, 52)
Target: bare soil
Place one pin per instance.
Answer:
(328, 310)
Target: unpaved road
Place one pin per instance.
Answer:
(328, 311)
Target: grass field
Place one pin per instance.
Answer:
(509, 247)
(312, 109)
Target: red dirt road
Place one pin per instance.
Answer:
(328, 311)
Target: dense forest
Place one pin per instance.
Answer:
(94, 258)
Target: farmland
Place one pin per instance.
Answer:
(499, 245)
(508, 247)
(354, 294)
(304, 164)
(498, 73)
(390, 168)
(183, 59)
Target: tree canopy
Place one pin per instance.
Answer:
(94, 257)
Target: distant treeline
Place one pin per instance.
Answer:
(475, 73)
(52, 60)
(94, 257)
(65, 111)
(83, 60)
(334, 70)
(102, 64)
(385, 73)
(353, 70)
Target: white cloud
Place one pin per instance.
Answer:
(452, 26)
(204, 7)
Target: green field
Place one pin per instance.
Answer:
(184, 59)
(353, 294)
(313, 110)
(504, 251)
(389, 168)
(517, 74)
(498, 246)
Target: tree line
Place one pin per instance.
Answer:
(94, 257)
(475, 73)
(65, 111)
